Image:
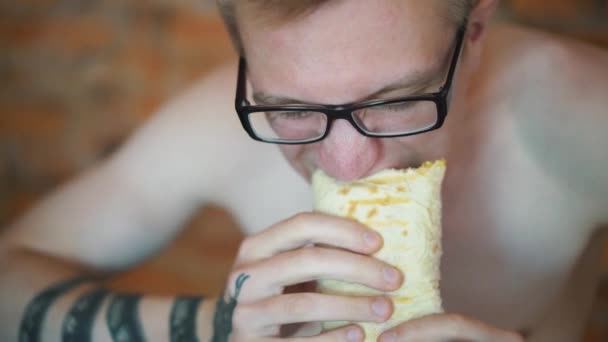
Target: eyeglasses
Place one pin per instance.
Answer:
(305, 124)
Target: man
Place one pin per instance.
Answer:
(524, 195)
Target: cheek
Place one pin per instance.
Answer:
(402, 152)
(414, 150)
(301, 158)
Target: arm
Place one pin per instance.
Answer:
(262, 308)
(135, 202)
(107, 314)
(124, 209)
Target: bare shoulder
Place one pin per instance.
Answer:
(182, 128)
(558, 63)
(189, 144)
(211, 93)
(567, 64)
(196, 147)
(556, 89)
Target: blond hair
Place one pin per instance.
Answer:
(281, 11)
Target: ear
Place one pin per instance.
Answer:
(479, 18)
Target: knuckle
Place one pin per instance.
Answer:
(233, 277)
(240, 317)
(234, 274)
(456, 318)
(298, 218)
(246, 247)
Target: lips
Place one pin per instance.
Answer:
(395, 166)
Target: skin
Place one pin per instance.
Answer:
(323, 58)
(522, 200)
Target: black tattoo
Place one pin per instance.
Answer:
(183, 319)
(78, 323)
(222, 321)
(35, 312)
(122, 318)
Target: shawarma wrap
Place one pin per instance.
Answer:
(404, 206)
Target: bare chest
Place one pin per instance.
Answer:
(512, 236)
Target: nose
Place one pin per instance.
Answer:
(346, 154)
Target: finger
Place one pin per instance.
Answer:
(309, 307)
(315, 263)
(270, 276)
(350, 333)
(448, 327)
(306, 229)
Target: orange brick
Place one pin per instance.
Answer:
(44, 163)
(20, 202)
(198, 31)
(80, 33)
(147, 105)
(148, 62)
(15, 34)
(31, 121)
(67, 35)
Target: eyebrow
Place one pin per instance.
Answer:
(414, 82)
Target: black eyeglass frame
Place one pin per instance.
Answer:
(441, 98)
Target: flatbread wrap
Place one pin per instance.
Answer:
(404, 206)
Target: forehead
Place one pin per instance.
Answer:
(359, 45)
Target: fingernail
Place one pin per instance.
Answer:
(389, 337)
(390, 274)
(380, 307)
(371, 238)
(354, 335)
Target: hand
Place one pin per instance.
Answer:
(447, 327)
(289, 253)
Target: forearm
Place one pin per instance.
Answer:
(101, 211)
(87, 307)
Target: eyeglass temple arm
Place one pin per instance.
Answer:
(456, 56)
(241, 86)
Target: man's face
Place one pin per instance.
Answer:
(342, 53)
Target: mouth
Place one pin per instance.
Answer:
(413, 164)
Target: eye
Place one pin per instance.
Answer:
(396, 107)
(295, 115)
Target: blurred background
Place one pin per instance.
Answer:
(78, 76)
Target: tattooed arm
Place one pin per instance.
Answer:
(46, 301)
(256, 304)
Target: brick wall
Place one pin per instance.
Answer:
(79, 75)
